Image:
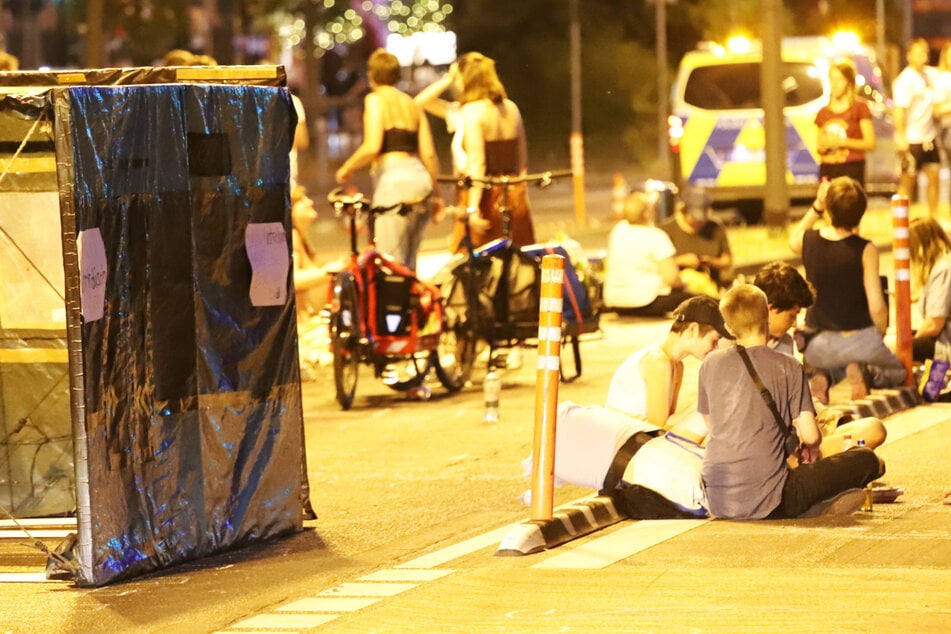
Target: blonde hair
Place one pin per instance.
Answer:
(639, 208)
(480, 81)
(745, 310)
(927, 243)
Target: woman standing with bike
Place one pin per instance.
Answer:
(398, 143)
(493, 140)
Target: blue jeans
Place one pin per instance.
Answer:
(820, 480)
(832, 351)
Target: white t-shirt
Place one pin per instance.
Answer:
(914, 92)
(936, 302)
(632, 278)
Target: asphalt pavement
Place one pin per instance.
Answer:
(413, 498)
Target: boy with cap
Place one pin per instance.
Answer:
(700, 239)
(745, 472)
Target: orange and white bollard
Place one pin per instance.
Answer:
(901, 254)
(546, 386)
(618, 194)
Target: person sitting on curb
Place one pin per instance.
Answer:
(641, 277)
(849, 316)
(745, 471)
(622, 450)
(703, 250)
(787, 293)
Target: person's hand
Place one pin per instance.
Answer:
(901, 145)
(343, 175)
(809, 454)
(820, 204)
(690, 260)
(477, 222)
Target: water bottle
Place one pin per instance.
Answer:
(846, 442)
(492, 387)
(421, 393)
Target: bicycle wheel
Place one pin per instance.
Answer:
(405, 374)
(456, 353)
(345, 339)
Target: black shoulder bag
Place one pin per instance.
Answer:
(790, 437)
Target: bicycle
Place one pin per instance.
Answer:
(381, 314)
(491, 293)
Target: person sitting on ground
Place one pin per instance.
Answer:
(310, 284)
(787, 293)
(647, 384)
(930, 250)
(641, 277)
(703, 250)
(623, 450)
(745, 472)
(849, 316)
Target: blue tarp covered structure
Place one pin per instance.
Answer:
(179, 332)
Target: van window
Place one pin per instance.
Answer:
(733, 86)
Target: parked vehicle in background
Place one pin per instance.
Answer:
(717, 129)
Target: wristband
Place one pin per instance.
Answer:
(816, 209)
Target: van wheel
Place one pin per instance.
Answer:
(751, 211)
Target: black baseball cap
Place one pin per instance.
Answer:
(703, 310)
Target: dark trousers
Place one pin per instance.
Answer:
(820, 480)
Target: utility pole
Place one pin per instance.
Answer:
(576, 140)
(776, 199)
(663, 86)
(94, 46)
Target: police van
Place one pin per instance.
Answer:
(716, 126)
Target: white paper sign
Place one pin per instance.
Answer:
(266, 243)
(92, 271)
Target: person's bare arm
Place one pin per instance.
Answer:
(809, 436)
(898, 118)
(809, 220)
(670, 273)
(656, 369)
(873, 288)
(430, 97)
(931, 326)
(473, 142)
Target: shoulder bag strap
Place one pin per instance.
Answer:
(764, 392)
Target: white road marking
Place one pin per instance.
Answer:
(65, 522)
(328, 604)
(40, 533)
(369, 589)
(27, 577)
(408, 574)
(620, 544)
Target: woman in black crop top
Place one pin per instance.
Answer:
(850, 312)
(397, 143)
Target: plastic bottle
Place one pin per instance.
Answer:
(492, 387)
(846, 442)
(421, 393)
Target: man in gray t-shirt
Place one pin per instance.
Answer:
(745, 472)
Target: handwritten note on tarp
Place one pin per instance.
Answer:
(266, 243)
(92, 269)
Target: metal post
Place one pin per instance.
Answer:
(776, 200)
(576, 142)
(901, 254)
(546, 386)
(663, 86)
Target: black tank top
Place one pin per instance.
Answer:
(835, 269)
(501, 157)
(400, 140)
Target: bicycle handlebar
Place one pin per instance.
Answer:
(543, 179)
(343, 202)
